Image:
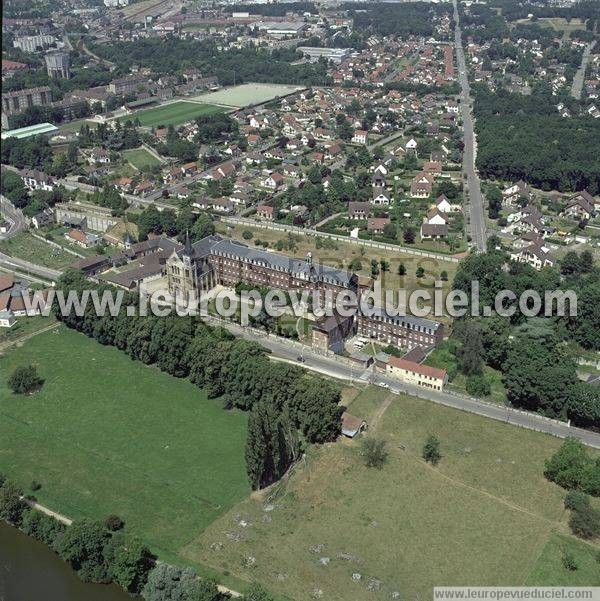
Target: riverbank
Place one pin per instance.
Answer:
(31, 570)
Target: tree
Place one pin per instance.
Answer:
(203, 227)
(114, 523)
(431, 450)
(257, 593)
(444, 275)
(128, 562)
(374, 453)
(41, 527)
(24, 379)
(355, 265)
(576, 500)
(470, 355)
(573, 469)
(170, 583)
(569, 562)
(538, 376)
(82, 546)
(11, 505)
(401, 269)
(263, 447)
(420, 272)
(585, 522)
(478, 386)
(494, 197)
(408, 235)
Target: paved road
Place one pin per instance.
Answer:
(580, 75)
(343, 370)
(477, 228)
(14, 216)
(29, 268)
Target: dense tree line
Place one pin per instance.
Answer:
(538, 369)
(394, 18)
(524, 137)
(101, 552)
(285, 401)
(96, 553)
(171, 55)
(275, 10)
(33, 153)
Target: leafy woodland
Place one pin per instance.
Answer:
(524, 137)
(171, 55)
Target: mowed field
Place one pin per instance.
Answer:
(108, 435)
(173, 113)
(247, 94)
(140, 158)
(484, 516)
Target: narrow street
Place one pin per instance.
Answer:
(579, 78)
(476, 222)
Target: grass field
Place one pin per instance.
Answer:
(173, 113)
(140, 158)
(558, 24)
(25, 326)
(247, 94)
(25, 246)
(484, 516)
(107, 435)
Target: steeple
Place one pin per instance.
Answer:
(188, 249)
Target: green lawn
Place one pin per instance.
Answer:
(172, 114)
(140, 158)
(109, 435)
(25, 246)
(484, 516)
(24, 327)
(550, 571)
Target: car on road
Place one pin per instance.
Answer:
(383, 385)
(301, 359)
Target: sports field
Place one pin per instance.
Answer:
(247, 94)
(484, 516)
(173, 113)
(107, 435)
(140, 158)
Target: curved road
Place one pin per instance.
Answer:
(477, 227)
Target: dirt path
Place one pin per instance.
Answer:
(381, 411)
(9, 343)
(59, 517)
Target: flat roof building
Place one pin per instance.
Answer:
(29, 131)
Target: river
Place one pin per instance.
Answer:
(30, 571)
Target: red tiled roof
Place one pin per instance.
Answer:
(424, 370)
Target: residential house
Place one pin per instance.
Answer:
(37, 180)
(415, 373)
(433, 231)
(537, 255)
(421, 185)
(360, 136)
(380, 197)
(81, 238)
(376, 225)
(274, 181)
(581, 206)
(359, 210)
(266, 212)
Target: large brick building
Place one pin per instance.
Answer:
(403, 331)
(214, 260)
